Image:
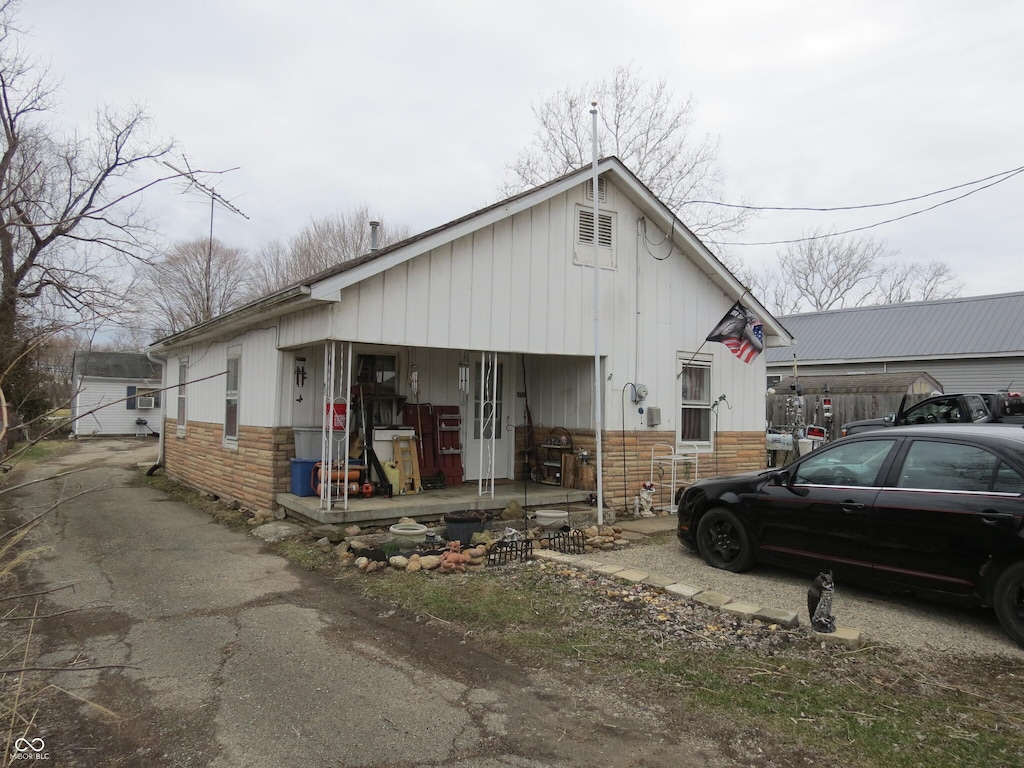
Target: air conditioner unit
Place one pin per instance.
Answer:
(145, 402)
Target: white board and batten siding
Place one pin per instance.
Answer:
(517, 285)
(260, 379)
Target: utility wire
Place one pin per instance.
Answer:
(1010, 175)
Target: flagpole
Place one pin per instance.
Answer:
(598, 383)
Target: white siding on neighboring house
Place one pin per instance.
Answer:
(111, 417)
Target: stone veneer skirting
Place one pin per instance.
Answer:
(258, 469)
(734, 452)
(251, 473)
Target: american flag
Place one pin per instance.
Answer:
(741, 332)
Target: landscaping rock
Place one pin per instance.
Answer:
(278, 531)
(330, 532)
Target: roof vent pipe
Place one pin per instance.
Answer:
(374, 235)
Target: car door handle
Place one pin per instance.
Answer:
(852, 506)
(992, 518)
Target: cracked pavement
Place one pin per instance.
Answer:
(233, 657)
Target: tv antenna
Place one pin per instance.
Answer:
(215, 197)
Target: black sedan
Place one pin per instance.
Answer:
(935, 511)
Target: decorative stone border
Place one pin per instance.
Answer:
(845, 636)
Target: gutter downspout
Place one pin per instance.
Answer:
(160, 360)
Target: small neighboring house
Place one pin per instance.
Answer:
(478, 336)
(970, 344)
(113, 392)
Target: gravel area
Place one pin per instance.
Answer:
(907, 623)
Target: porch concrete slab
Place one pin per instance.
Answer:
(683, 590)
(428, 505)
(607, 569)
(632, 575)
(741, 610)
(778, 616)
(712, 599)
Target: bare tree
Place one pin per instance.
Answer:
(194, 282)
(67, 208)
(829, 272)
(642, 123)
(823, 272)
(320, 245)
(917, 282)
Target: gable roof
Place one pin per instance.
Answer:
(114, 365)
(974, 326)
(326, 285)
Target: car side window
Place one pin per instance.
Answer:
(933, 412)
(932, 465)
(855, 463)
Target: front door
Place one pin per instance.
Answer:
(489, 445)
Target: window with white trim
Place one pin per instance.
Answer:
(606, 223)
(694, 401)
(182, 401)
(231, 394)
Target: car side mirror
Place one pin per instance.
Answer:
(781, 477)
(890, 418)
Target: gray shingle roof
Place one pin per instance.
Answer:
(970, 326)
(115, 365)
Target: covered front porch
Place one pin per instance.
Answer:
(432, 504)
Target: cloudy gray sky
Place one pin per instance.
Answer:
(416, 108)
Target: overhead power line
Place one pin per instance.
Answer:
(999, 179)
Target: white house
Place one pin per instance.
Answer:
(115, 393)
(482, 332)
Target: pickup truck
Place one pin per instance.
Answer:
(965, 408)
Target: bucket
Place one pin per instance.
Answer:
(302, 470)
(307, 442)
(461, 527)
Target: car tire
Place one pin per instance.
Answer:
(1008, 601)
(724, 542)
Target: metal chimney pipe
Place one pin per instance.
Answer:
(374, 235)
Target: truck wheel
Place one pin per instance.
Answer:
(1008, 601)
(723, 541)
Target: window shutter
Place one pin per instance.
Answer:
(130, 402)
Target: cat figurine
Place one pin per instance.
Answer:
(819, 603)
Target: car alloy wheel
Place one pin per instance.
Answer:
(723, 541)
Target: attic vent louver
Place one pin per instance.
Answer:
(586, 228)
(374, 235)
(602, 189)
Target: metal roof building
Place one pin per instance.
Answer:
(970, 343)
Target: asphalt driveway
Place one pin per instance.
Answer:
(188, 643)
